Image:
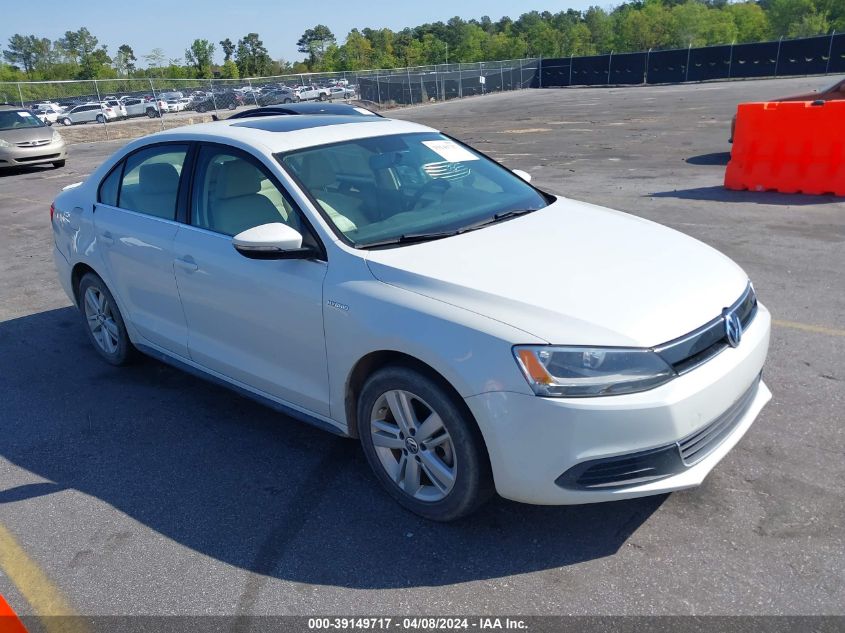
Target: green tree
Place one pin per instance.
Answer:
(315, 41)
(124, 60)
(22, 52)
(155, 59)
(251, 56)
(228, 49)
(752, 23)
(200, 56)
(229, 70)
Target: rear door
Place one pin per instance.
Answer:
(135, 224)
(259, 322)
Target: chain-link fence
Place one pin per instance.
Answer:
(107, 109)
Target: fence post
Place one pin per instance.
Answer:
(731, 59)
(571, 56)
(460, 81)
(686, 68)
(20, 93)
(777, 61)
(252, 92)
(609, 63)
(540, 72)
(502, 77)
(100, 101)
(647, 60)
(378, 89)
(829, 52)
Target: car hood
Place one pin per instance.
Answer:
(27, 134)
(573, 273)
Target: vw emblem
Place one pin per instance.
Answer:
(412, 446)
(733, 327)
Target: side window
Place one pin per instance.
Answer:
(232, 193)
(150, 183)
(109, 186)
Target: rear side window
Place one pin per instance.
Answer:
(150, 182)
(109, 187)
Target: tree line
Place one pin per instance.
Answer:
(632, 26)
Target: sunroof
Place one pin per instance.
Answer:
(303, 122)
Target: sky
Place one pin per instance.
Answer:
(173, 24)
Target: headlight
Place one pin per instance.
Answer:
(574, 372)
(4, 143)
(56, 136)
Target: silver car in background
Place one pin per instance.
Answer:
(25, 140)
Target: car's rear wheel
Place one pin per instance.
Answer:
(424, 448)
(101, 118)
(232, 106)
(58, 164)
(151, 113)
(67, 121)
(287, 101)
(104, 323)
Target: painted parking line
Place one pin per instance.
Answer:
(33, 584)
(804, 327)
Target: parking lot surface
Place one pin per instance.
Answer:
(144, 490)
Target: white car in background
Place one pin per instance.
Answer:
(139, 107)
(385, 282)
(48, 112)
(88, 113)
(311, 93)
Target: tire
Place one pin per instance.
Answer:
(287, 101)
(101, 118)
(201, 109)
(232, 106)
(103, 322)
(67, 121)
(151, 113)
(58, 164)
(323, 96)
(450, 480)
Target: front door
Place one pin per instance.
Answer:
(259, 322)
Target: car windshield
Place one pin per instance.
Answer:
(18, 119)
(408, 187)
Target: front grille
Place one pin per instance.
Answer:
(697, 446)
(33, 143)
(691, 350)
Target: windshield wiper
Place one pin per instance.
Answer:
(411, 238)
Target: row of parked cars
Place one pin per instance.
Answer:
(113, 108)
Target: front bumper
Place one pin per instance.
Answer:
(533, 442)
(23, 156)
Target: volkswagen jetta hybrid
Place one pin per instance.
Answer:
(383, 281)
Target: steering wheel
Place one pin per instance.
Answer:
(431, 185)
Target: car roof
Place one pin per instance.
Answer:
(285, 133)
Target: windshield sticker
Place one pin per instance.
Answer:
(450, 151)
(24, 115)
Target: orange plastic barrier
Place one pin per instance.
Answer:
(789, 146)
(9, 622)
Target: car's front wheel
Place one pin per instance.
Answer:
(67, 121)
(424, 447)
(104, 324)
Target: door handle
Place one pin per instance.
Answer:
(106, 238)
(188, 265)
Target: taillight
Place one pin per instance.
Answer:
(52, 211)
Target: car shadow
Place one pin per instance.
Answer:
(240, 483)
(33, 169)
(716, 158)
(720, 194)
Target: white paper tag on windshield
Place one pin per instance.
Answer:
(450, 151)
(364, 111)
(24, 115)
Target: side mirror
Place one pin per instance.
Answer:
(271, 241)
(523, 174)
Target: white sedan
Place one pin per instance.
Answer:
(385, 282)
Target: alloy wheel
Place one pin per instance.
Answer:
(100, 318)
(413, 445)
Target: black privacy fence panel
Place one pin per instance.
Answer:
(712, 62)
(807, 56)
(627, 68)
(837, 54)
